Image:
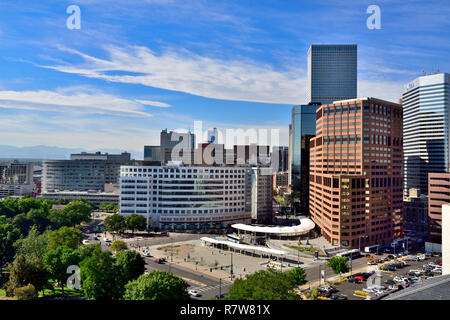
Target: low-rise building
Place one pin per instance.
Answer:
(16, 178)
(182, 197)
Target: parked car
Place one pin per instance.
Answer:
(220, 296)
(160, 261)
(390, 256)
(147, 254)
(390, 282)
(367, 275)
(353, 280)
(327, 288)
(337, 297)
(194, 293)
(360, 278)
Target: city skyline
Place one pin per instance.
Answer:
(247, 70)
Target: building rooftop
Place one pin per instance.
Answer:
(435, 288)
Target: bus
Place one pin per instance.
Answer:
(233, 237)
(354, 254)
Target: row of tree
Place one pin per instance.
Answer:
(119, 223)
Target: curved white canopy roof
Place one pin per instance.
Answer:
(243, 246)
(305, 226)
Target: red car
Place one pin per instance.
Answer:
(160, 261)
(360, 278)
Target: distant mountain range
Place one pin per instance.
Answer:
(47, 152)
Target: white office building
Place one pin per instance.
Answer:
(426, 149)
(179, 198)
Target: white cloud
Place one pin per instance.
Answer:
(190, 73)
(75, 99)
(154, 103)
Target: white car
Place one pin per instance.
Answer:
(106, 240)
(147, 254)
(194, 293)
(400, 279)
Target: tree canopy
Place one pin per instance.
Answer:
(8, 235)
(338, 264)
(156, 285)
(263, 285)
(118, 245)
(115, 222)
(65, 236)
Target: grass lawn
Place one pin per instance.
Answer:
(57, 293)
(304, 249)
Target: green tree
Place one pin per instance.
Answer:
(297, 276)
(339, 265)
(26, 204)
(34, 245)
(22, 222)
(24, 271)
(39, 217)
(98, 275)
(129, 265)
(9, 207)
(156, 285)
(87, 250)
(77, 211)
(57, 261)
(118, 245)
(135, 222)
(65, 236)
(115, 222)
(263, 285)
(8, 235)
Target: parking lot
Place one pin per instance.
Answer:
(347, 289)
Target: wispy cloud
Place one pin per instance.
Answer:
(184, 71)
(154, 103)
(73, 99)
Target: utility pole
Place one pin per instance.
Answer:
(231, 267)
(220, 288)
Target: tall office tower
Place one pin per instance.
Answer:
(426, 129)
(213, 136)
(280, 158)
(302, 129)
(438, 195)
(332, 72)
(259, 195)
(177, 147)
(356, 174)
(16, 178)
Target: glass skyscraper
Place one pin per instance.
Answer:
(301, 130)
(332, 72)
(426, 129)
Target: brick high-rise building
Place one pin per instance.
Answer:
(438, 194)
(356, 172)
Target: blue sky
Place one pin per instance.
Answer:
(138, 66)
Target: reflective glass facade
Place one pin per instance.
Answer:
(332, 73)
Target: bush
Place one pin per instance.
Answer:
(25, 293)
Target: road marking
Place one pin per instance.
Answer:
(194, 282)
(208, 288)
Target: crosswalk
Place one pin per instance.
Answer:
(208, 288)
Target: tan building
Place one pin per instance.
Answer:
(356, 172)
